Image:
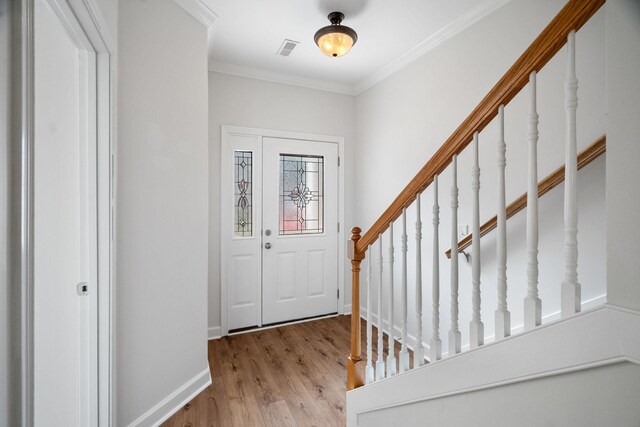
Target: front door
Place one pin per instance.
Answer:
(280, 234)
(300, 222)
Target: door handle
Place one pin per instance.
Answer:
(267, 245)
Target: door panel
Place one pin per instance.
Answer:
(242, 231)
(300, 213)
(65, 227)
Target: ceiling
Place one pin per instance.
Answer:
(248, 34)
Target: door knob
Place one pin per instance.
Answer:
(267, 245)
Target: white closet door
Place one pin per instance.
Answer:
(65, 227)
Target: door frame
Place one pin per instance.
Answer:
(226, 179)
(87, 28)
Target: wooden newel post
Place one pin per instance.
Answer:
(355, 370)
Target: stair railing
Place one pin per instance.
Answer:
(551, 181)
(560, 31)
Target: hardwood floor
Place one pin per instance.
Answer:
(288, 376)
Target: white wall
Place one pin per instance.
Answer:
(161, 205)
(255, 103)
(623, 134)
(404, 119)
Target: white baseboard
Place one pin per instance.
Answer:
(515, 330)
(397, 334)
(176, 400)
(346, 310)
(215, 332)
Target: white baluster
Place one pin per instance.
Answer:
(369, 369)
(391, 357)
(380, 374)
(571, 289)
(418, 351)
(476, 326)
(454, 334)
(502, 315)
(436, 343)
(532, 304)
(404, 351)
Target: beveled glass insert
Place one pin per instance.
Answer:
(243, 217)
(301, 194)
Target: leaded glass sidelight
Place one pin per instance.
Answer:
(301, 194)
(243, 183)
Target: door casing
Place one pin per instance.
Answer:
(225, 216)
(86, 27)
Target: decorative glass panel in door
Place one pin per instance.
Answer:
(301, 194)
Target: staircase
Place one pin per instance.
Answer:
(519, 375)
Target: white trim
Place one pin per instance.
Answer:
(411, 339)
(515, 330)
(226, 130)
(347, 309)
(275, 77)
(88, 30)
(24, 214)
(176, 400)
(612, 338)
(215, 332)
(453, 28)
(202, 11)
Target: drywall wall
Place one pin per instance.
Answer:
(623, 135)
(161, 208)
(260, 104)
(595, 397)
(404, 119)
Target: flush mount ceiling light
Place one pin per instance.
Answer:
(335, 39)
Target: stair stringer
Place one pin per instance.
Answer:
(603, 336)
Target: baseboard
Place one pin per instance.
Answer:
(176, 400)
(215, 332)
(346, 310)
(515, 330)
(397, 334)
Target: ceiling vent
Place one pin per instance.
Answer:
(287, 47)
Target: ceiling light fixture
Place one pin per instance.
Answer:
(335, 40)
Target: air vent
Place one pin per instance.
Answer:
(287, 47)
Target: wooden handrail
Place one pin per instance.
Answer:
(572, 17)
(589, 154)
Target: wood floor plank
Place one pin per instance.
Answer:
(292, 375)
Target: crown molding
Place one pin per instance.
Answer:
(458, 25)
(201, 10)
(272, 76)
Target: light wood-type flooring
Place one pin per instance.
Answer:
(287, 376)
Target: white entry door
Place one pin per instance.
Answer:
(65, 226)
(280, 229)
(300, 222)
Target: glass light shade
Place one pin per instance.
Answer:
(335, 44)
(335, 40)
